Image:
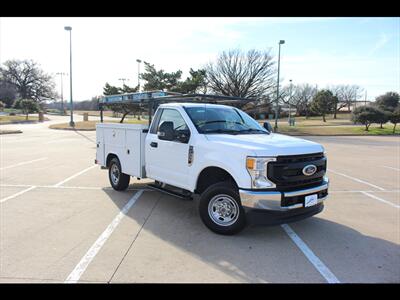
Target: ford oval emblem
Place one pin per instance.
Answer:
(309, 170)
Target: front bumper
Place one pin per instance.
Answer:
(272, 201)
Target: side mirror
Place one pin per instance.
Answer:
(268, 126)
(166, 131)
(183, 136)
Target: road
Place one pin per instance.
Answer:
(61, 222)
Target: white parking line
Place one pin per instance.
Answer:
(356, 179)
(380, 199)
(92, 252)
(73, 176)
(74, 187)
(396, 169)
(24, 163)
(317, 263)
(17, 194)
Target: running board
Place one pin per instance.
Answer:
(169, 192)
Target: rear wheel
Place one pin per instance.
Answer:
(119, 181)
(220, 209)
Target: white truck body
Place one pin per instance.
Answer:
(142, 153)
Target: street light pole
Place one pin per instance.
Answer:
(62, 97)
(69, 28)
(277, 87)
(123, 81)
(138, 74)
(290, 97)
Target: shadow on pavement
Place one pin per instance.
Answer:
(259, 253)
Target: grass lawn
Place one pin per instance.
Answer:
(374, 129)
(91, 125)
(17, 119)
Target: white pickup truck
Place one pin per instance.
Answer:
(241, 172)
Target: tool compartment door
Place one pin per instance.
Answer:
(100, 147)
(133, 151)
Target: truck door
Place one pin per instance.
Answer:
(167, 161)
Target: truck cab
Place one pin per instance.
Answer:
(240, 172)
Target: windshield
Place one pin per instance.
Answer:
(223, 120)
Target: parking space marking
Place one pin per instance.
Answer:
(396, 169)
(74, 187)
(92, 252)
(24, 163)
(73, 176)
(356, 179)
(380, 199)
(317, 263)
(17, 194)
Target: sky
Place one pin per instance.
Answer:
(319, 51)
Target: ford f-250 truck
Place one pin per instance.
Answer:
(241, 172)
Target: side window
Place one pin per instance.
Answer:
(156, 119)
(179, 125)
(175, 117)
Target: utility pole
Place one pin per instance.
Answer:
(290, 97)
(123, 81)
(277, 86)
(138, 74)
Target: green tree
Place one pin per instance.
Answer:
(8, 92)
(366, 115)
(159, 79)
(382, 116)
(388, 101)
(127, 89)
(27, 106)
(197, 82)
(323, 103)
(29, 80)
(111, 90)
(395, 117)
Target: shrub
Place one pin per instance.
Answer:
(395, 117)
(366, 115)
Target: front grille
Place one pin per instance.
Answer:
(286, 172)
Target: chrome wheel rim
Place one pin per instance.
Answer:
(223, 210)
(115, 174)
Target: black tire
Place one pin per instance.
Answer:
(120, 182)
(218, 194)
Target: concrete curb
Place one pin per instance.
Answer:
(10, 131)
(73, 129)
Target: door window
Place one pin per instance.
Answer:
(179, 124)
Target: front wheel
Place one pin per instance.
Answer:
(220, 209)
(119, 181)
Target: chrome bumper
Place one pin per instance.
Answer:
(254, 199)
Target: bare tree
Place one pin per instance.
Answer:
(29, 80)
(248, 75)
(348, 94)
(299, 96)
(339, 91)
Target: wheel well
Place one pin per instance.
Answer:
(210, 176)
(109, 158)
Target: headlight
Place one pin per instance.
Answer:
(257, 168)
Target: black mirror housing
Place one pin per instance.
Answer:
(268, 126)
(166, 131)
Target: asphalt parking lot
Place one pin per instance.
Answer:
(61, 221)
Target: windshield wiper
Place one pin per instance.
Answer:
(255, 130)
(222, 131)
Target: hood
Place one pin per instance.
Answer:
(267, 144)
